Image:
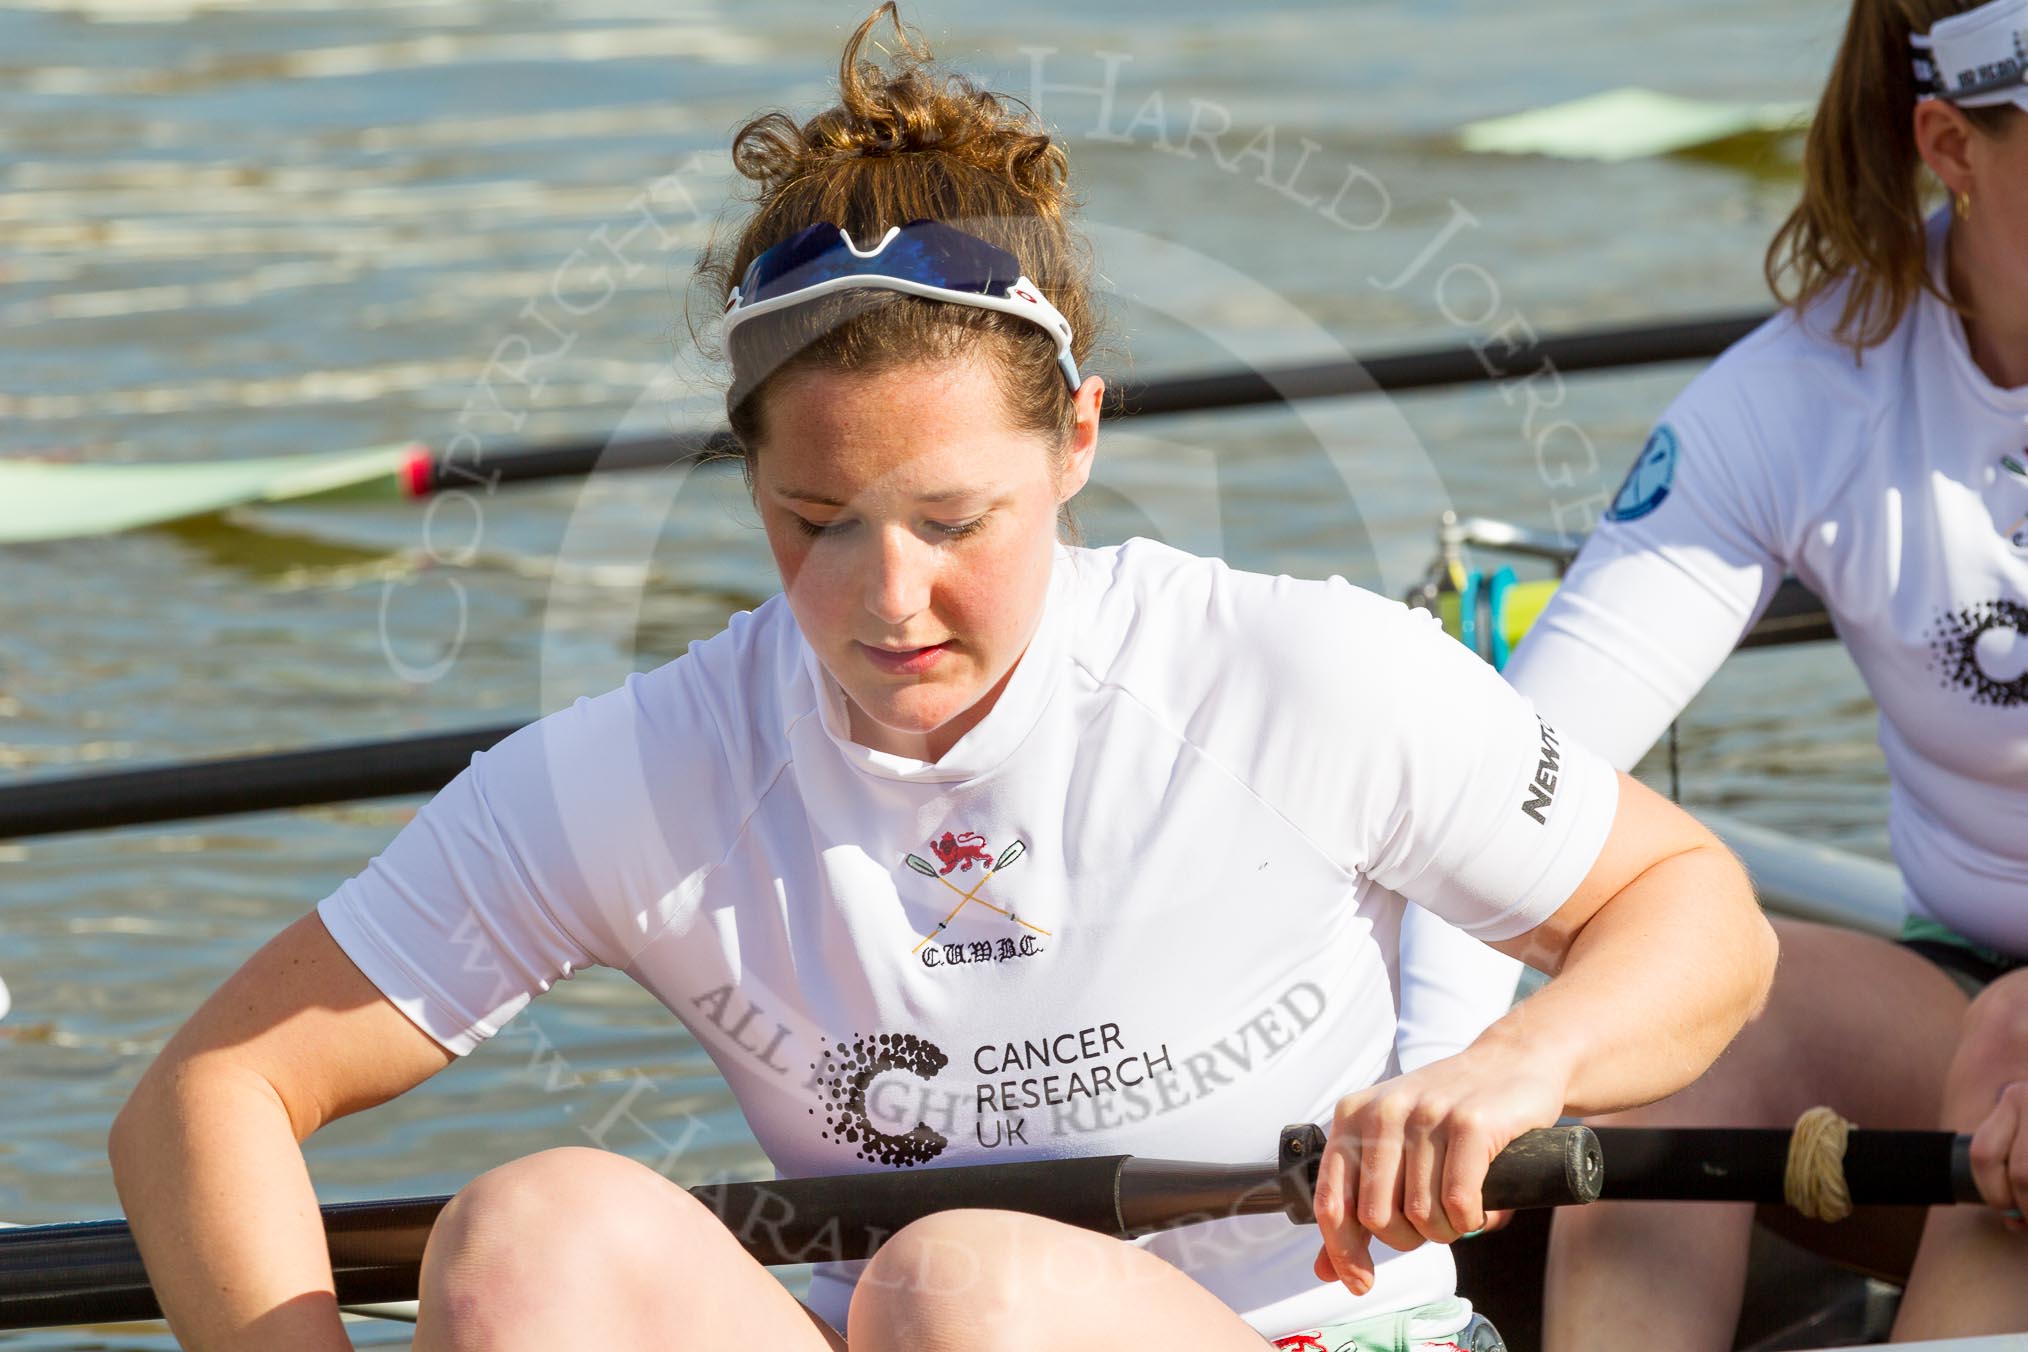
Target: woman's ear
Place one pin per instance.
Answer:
(1088, 404)
(1943, 136)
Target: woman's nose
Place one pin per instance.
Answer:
(898, 577)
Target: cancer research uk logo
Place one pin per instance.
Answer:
(1983, 651)
(844, 1075)
(1097, 1077)
(1647, 483)
(960, 852)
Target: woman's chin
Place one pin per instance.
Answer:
(912, 715)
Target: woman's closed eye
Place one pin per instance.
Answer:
(818, 529)
(948, 530)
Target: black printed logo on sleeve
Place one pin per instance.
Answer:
(1541, 791)
(846, 1071)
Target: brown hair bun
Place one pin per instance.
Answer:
(906, 141)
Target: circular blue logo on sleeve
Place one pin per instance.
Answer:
(1647, 485)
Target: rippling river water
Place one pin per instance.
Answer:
(237, 229)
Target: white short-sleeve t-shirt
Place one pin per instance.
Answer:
(1149, 905)
(1896, 486)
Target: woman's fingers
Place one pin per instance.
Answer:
(2000, 1153)
(1380, 1135)
(1406, 1160)
(1469, 1153)
(1423, 1168)
(1346, 1256)
(2016, 1097)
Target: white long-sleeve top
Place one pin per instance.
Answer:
(1896, 486)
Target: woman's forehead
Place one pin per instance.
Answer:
(957, 389)
(930, 433)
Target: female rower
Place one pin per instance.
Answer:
(1870, 440)
(971, 846)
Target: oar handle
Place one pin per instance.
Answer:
(1550, 1166)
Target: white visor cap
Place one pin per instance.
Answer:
(1978, 59)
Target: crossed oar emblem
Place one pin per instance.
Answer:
(929, 870)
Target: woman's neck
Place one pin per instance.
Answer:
(1996, 322)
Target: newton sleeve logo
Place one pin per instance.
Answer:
(1541, 790)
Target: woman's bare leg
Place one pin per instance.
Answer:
(581, 1248)
(1971, 1274)
(1854, 1022)
(996, 1281)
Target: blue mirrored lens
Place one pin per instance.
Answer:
(928, 252)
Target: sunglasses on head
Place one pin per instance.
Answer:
(922, 258)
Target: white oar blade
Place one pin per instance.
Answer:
(1627, 124)
(41, 500)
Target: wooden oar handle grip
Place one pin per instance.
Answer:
(1550, 1166)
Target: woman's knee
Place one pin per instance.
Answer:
(953, 1282)
(562, 1219)
(1992, 1049)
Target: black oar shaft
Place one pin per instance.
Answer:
(1431, 368)
(1730, 1164)
(572, 459)
(258, 783)
(819, 1220)
(92, 1271)
(1393, 372)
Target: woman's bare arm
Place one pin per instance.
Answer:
(207, 1151)
(1657, 960)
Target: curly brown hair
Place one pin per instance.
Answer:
(904, 143)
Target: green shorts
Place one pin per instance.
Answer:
(1447, 1325)
(1972, 965)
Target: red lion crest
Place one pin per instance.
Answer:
(961, 852)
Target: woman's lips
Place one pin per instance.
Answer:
(905, 661)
